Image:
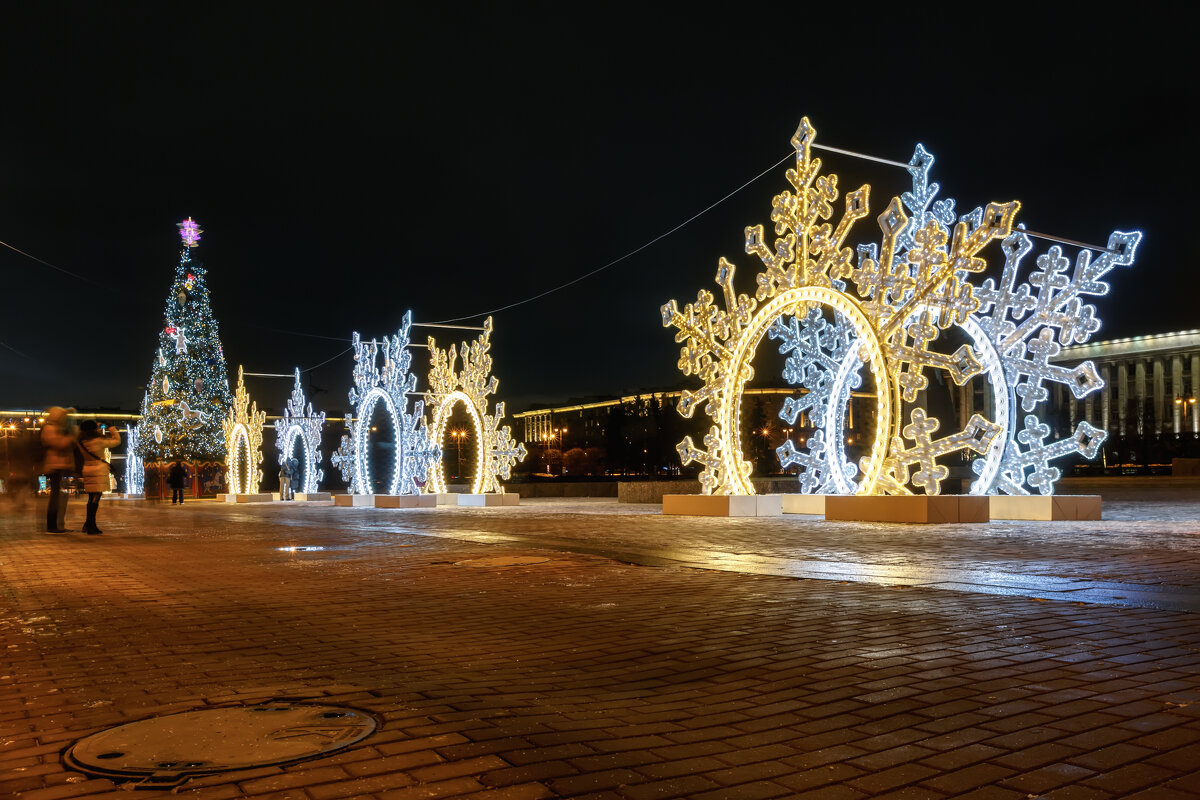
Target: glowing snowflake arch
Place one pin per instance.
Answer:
(496, 452)
(908, 289)
(300, 424)
(389, 384)
(135, 473)
(243, 437)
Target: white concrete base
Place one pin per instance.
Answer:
(506, 499)
(921, 508)
(405, 501)
(305, 497)
(120, 496)
(221, 498)
(248, 498)
(1046, 507)
(722, 505)
(354, 500)
(804, 504)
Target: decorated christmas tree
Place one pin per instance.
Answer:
(188, 393)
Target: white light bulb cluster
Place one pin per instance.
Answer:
(496, 451)
(907, 290)
(300, 424)
(135, 473)
(388, 383)
(243, 437)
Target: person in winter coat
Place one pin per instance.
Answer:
(58, 446)
(176, 478)
(93, 442)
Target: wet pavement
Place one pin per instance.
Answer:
(585, 648)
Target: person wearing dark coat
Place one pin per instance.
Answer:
(93, 441)
(176, 477)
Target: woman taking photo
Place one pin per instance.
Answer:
(95, 469)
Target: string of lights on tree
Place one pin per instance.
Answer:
(909, 289)
(188, 392)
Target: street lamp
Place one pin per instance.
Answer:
(457, 436)
(1186, 402)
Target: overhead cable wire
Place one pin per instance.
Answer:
(48, 264)
(630, 254)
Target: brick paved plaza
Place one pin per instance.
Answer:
(645, 657)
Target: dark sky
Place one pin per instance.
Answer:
(349, 162)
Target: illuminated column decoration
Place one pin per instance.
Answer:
(908, 288)
(1028, 323)
(135, 473)
(243, 436)
(299, 423)
(496, 452)
(389, 384)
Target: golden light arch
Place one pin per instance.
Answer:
(471, 386)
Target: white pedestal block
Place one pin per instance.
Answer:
(405, 501)
(505, 499)
(907, 508)
(249, 498)
(305, 497)
(804, 504)
(224, 498)
(721, 505)
(1046, 507)
(354, 500)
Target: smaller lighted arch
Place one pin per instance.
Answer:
(300, 424)
(243, 438)
(390, 383)
(496, 452)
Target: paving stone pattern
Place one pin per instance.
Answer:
(588, 676)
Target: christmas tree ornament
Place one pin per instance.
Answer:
(496, 451)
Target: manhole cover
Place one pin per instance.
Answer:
(165, 751)
(501, 561)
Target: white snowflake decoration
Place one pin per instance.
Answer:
(300, 424)
(496, 451)
(1028, 324)
(390, 384)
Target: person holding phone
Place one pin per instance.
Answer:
(94, 441)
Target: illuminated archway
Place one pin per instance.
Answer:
(390, 383)
(907, 289)
(243, 437)
(496, 451)
(300, 424)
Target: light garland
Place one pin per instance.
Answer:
(908, 289)
(243, 436)
(134, 469)
(389, 384)
(299, 423)
(496, 452)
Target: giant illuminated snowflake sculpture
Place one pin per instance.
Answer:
(243, 442)
(300, 424)
(907, 289)
(496, 451)
(390, 384)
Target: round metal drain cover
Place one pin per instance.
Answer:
(165, 751)
(501, 561)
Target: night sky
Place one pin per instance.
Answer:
(349, 162)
